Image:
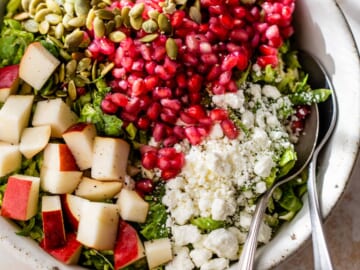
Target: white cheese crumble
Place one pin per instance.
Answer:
(221, 177)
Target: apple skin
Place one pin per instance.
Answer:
(53, 222)
(58, 156)
(128, 247)
(21, 196)
(69, 253)
(9, 81)
(72, 208)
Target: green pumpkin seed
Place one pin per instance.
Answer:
(31, 26)
(195, 14)
(69, 9)
(117, 36)
(64, 54)
(40, 7)
(137, 10)
(109, 27)
(118, 21)
(136, 22)
(171, 48)
(44, 27)
(94, 2)
(57, 42)
(107, 69)
(169, 8)
(65, 21)
(72, 90)
(89, 19)
(149, 26)
(104, 14)
(116, 11)
(164, 24)
(61, 93)
(70, 68)
(52, 5)
(81, 81)
(21, 16)
(85, 74)
(32, 6)
(77, 21)
(59, 31)
(153, 14)
(94, 71)
(99, 27)
(82, 7)
(149, 37)
(53, 19)
(125, 16)
(74, 39)
(62, 72)
(84, 64)
(40, 15)
(25, 4)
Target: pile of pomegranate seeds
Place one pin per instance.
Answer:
(162, 93)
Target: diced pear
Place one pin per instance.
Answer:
(53, 222)
(14, 117)
(158, 252)
(9, 81)
(56, 113)
(96, 190)
(58, 156)
(131, 206)
(98, 225)
(33, 140)
(10, 158)
(110, 159)
(37, 65)
(21, 196)
(80, 139)
(58, 182)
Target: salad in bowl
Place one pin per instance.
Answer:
(140, 134)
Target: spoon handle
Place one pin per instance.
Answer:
(246, 260)
(322, 258)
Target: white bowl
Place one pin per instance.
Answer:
(321, 30)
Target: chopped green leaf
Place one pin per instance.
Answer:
(309, 97)
(207, 223)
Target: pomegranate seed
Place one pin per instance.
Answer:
(162, 92)
(143, 123)
(167, 151)
(106, 46)
(193, 135)
(170, 141)
(153, 111)
(145, 52)
(151, 82)
(205, 47)
(239, 35)
(265, 60)
(138, 88)
(169, 174)
(108, 106)
(126, 63)
(218, 114)
(159, 132)
(179, 132)
(173, 104)
(138, 65)
(147, 148)
(163, 163)
(177, 18)
(297, 126)
(118, 73)
(267, 50)
(149, 160)
(119, 99)
(214, 73)
(209, 59)
(226, 21)
(196, 111)
(168, 118)
(150, 67)
(229, 129)
(178, 161)
(187, 119)
(302, 112)
(145, 185)
(218, 89)
(195, 83)
(225, 77)
(229, 62)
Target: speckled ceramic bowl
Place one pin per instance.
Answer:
(321, 30)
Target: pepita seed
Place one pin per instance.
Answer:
(89, 19)
(32, 6)
(69, 9)
(94, 70)
(108, 2)
(104, 14)
(21, 16)
(99, 27)
(40, 15)
(81, 81)
(62, 72)
(84, 64)
(31, 26)
(149, 37)
(56, 78)
(78, 56)
(195, 14)
(149, 26)
(117, 36)
(94, 2)
(64, 54)
(25, 4)
(44, 27)
(102, 5)
(180, 2)
(153, 14)
(197, 4)
(77, 21)
(52, 5)
(164, 24)
(65, 21)
(116, 11)
(40, 7)
(25, 89)
(169, 8)
(53, 19)
(136, 22)
(61, 93)
(171, 48)
(137, 10)
(118, 21)
(59, 31)
(107, 69)
(57, 42)
(85, 74)
(109, 27)
(70, 68)
(125, 16)
(81, 7)
(72, 90)
(74, 39)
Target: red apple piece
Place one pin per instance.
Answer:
(80, 140)
(53, 222)
(128, 248)
(69, 253)
(58, 182)
(72, 206)
(9, 81)
(21, 196)
(59, 157)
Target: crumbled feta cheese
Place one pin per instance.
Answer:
(216, 264)
(263, 166)
(271, 91)
(221, 209)
(264, 233)
(185, 234)
(241, 236)
(200, 256)
(216, 132)
(223, 243)
(245, 220)
(181, 260)
(260, 187)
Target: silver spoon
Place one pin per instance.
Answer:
(328, 110)
(305, 149)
